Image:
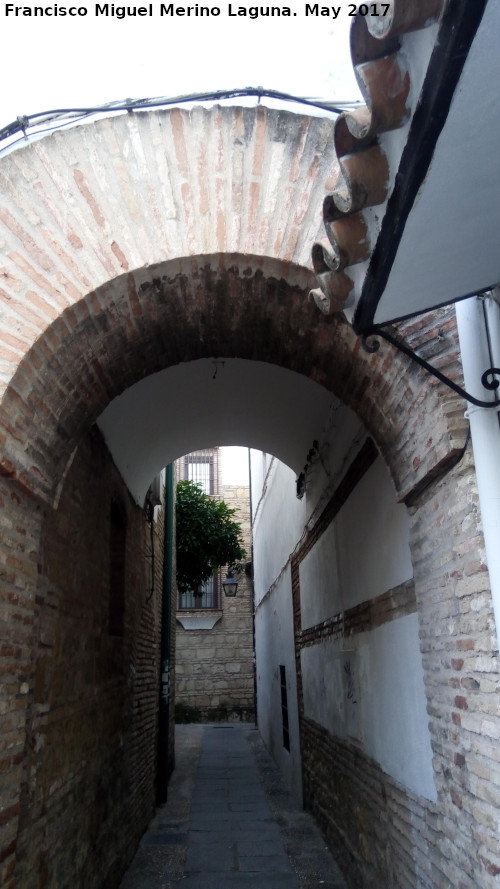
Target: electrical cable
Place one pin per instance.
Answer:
(25, 137)
(25, 122)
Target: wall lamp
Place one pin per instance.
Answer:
(230, 584)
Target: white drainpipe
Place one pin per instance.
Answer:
(476, 318)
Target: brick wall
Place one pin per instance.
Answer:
(20, 525)
(460, 653)
(379, 831)
(87, 742)
(214, 667)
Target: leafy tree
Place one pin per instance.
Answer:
(207, 536)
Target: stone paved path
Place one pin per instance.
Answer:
(229, 823)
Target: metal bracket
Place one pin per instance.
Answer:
(487, 379)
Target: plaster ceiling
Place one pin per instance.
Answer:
(212, 402)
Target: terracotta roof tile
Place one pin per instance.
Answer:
(384, 79)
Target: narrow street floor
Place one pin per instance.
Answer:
(229, 822)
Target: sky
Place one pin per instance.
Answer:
(58, 61)
(234, 466)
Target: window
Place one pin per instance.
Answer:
(208, 599)
(201, 467)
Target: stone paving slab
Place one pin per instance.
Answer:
(266, 864)
(238, 800)
(246, 848)
(216, 857)
(238, 881)
(229, 822)
(200, 822)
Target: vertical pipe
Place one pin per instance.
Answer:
(485, 428)
(492, 314)
(252, 589)
(165, 756)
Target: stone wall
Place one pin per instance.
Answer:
(88, 755)
(214, 666)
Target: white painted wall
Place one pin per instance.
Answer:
(364, 553)
(275, 646)
(372, 692)
(278, 520)
(341, 438)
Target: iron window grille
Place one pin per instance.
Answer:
(209, 598)
(202, 467)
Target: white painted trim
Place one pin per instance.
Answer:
(199, 621)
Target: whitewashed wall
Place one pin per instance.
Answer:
(274, 646)
(368, 689)
(363, 553)
(371, 692)
(278, 519)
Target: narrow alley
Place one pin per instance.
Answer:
(229, 822)
(180, 274)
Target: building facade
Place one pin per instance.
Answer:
(214, 634)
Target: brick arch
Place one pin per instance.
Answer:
(124, 252)
(201, 307)
(83, 209)
(150, 238)
(83, 206)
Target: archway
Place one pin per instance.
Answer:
(250, 308)
(139, 259)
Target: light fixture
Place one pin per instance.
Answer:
(230, 584)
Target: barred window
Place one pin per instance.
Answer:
(209, 595)
(201, 467)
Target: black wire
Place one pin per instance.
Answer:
(22, 123)
(43, 132)
(464, 448)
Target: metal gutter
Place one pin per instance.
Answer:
(165, 755)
